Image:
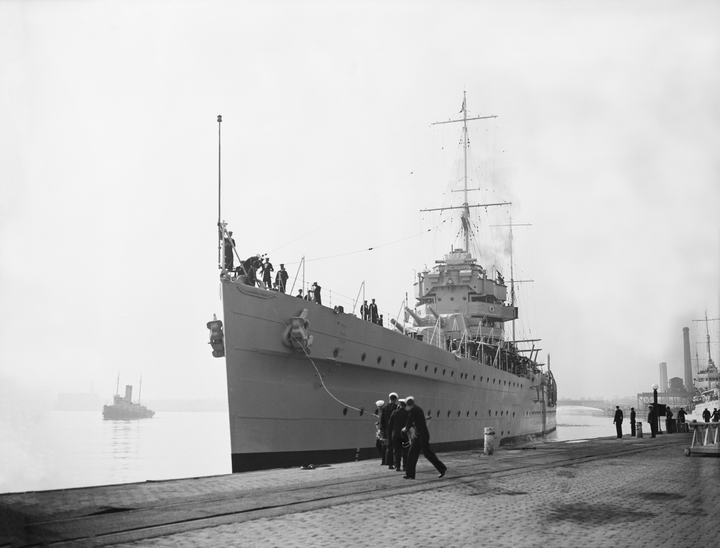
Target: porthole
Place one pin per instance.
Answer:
(464, 298)
(493, 379)
(496, 413)
(435, 370)
(502, 432)
(452, 298)
(443, 372)
(448, 414)
(426, 368)
(363, 356)
(452, 373)
(405, 364)
(335, 353)
(416, 367)
(379, 359)
(345, 411)
(513, 413)
(504, 383)
(489, 413)
(501, 413)
(362, 411)
(476, 413)
(474, 378)
(480, 378)
(467, 414)
(392, 362)
(438, 414)
(458, 413)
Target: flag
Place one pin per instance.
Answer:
(462, 109)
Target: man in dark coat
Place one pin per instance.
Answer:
(373, 312)
(267, 269)
(364, 311)
(316, 293)
(618, 421)
(632, 421)
(281, 278)
(706, 415)
(652, 419)
(681, 415)
(229, 251)
(398, 419)
(420, 441)
(385, 413)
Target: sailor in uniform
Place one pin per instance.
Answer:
(385, 413)
(420, 441)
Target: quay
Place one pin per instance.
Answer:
(604, 492)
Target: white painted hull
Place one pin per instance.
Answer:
(281, 415)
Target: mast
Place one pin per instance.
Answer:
(140, 390)
(465, 217)
(219, 221)
(707, 331)
(512, 269)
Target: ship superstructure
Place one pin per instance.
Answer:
(707, 383)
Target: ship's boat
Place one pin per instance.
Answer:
(123, 408)
(303, 378)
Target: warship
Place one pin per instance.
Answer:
(303, 378)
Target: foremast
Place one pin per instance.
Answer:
(459, 307)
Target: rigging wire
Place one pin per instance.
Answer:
(360, 204)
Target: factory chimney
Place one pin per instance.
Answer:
(663, 377)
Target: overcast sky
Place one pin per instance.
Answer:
(607, 142)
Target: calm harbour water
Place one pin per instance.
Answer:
(65, 449)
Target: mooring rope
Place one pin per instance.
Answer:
(361, 410)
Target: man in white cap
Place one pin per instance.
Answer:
(421, 441)
(385, 412)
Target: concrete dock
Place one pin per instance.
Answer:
(591, 493)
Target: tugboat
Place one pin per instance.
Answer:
(123, 407)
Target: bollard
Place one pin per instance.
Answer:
(489, 443)
(638, 430)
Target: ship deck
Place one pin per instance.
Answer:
(602, 492)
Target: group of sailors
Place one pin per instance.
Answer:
(714, 416)
(402, 434)
(256, 271)
(313, 294)
(369, 313)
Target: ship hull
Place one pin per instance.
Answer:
(123, 412)
(288, 408)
